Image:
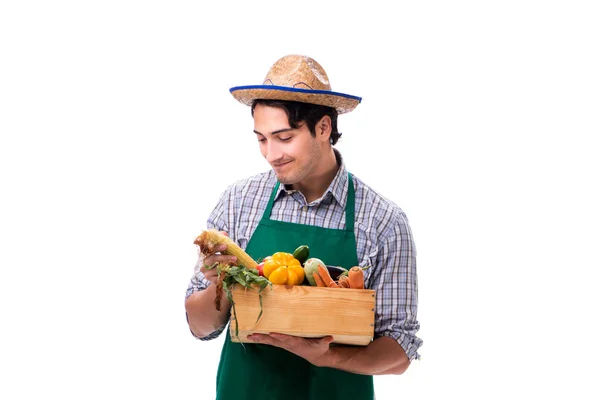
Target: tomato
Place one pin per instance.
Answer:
(260, 269)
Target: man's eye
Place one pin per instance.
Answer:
(285, 139)
(262, 140)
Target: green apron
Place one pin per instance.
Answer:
(264, 372)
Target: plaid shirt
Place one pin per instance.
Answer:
(383, 238)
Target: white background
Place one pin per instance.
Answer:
(118, 134)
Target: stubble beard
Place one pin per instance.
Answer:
(303, 171)
(290, 178)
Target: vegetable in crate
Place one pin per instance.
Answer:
(343, 282)
(323, 278)
(310, 267)
(301, 253)
(283, 269)
(356, 278)
(336, 272)
(260, 268)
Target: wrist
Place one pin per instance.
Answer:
(330, 359)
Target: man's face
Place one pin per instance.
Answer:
(293, 153)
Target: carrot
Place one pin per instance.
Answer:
(318, 280)
(356, 278)
(343, 281)
(325, 277)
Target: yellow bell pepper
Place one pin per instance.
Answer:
(283, 269)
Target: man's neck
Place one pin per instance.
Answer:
(315, 185)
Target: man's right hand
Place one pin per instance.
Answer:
(203, 317)
(210, 263)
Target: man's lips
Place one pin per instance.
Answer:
(281, 164)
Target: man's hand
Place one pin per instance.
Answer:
(383, 356)
(314, 351)
(203, 315)
(209, 268)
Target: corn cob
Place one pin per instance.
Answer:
(210, 239)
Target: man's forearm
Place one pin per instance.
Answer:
(203, 317)
(382, 356)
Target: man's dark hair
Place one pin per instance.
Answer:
(303, 112)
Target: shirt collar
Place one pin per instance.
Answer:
(339, 185)
(338, 188)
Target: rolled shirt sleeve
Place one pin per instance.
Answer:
(198, 282)
(395, 280)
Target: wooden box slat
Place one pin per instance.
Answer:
(346, 314)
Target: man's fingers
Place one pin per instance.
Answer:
(276, 339)
(211, 266)
(219, 258)
(221, 247)
(266, 339)
(287, 341)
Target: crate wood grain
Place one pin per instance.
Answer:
(346, 314)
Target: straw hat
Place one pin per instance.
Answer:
(297, 78)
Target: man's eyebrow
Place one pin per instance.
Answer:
(274, 132)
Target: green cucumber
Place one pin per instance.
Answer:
(301, 253)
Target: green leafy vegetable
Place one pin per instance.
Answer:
(229, 276)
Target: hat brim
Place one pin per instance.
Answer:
(342, 102)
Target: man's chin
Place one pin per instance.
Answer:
(285, 179)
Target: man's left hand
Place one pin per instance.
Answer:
(314, 351)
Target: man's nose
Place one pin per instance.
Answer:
(274, 152)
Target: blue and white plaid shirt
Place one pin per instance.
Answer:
(383, 238)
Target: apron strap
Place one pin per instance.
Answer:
(267, 213)
(349, 204)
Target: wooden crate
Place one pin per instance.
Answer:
(346, 314)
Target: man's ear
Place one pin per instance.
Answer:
(323, 128)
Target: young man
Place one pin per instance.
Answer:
(309, 198)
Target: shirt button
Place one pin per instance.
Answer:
(304, 208)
